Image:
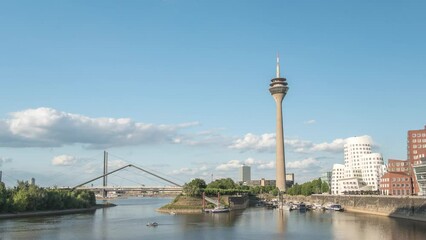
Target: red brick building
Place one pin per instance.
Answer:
(398, 180)
(416, 145)
(416, 149)
(396, 183)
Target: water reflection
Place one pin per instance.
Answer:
(128, 220)
(282, 221)
(376, 227)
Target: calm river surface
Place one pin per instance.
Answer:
(128, 221)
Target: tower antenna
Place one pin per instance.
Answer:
(278, 65)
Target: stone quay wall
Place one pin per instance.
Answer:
(238, 202)
(412, 207)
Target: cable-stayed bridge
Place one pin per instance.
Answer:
(171, 188)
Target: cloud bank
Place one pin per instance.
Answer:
(47, 127)
(266, 143)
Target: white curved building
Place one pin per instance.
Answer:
(362, 169)
(354, 149)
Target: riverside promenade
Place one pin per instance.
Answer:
(412, 207)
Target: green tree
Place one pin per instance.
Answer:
(3, 197)
(224, 183)
(296, 189)
(325, 188)
(195, 187)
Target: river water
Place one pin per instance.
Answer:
(129, 218)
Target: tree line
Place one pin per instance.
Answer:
(27, 197)
(313, 187)
(224, 186)
(227, 186)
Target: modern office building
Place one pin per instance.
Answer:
(420, 175)
(362, 169)
(278, 89)
(326, 177)
(245, 173)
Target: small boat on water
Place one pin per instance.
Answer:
(335, 207)
(302, 207)
(317, 206)
(152, 224)
(219, 210)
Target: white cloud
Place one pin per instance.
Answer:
(64, 160)
(264, 142)
(269, 165)
(4, 160)
(302, 164)
(236, 164)
(335, 146)
(312, 121)
(185, 170)
(191, 172)
(233, 164)
(47, 127)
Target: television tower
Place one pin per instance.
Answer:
(278, 89)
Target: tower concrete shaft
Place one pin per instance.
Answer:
(278, 89)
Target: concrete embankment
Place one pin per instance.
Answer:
(412, 207)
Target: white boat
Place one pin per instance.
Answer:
(219, 210)
(317, 206)
(335, 207)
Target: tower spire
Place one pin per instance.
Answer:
(278, 65)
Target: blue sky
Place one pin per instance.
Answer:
(181, 87)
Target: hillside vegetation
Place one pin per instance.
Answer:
(26, 197)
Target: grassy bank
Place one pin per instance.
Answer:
(183, 204)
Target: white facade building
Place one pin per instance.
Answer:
(362, 169)
(337, 173)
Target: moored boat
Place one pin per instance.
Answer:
(219, 210)
(336, 207)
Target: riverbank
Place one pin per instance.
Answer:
(191, 205)
(55, 212)
(413, 208)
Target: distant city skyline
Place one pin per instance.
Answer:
(181, 88)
